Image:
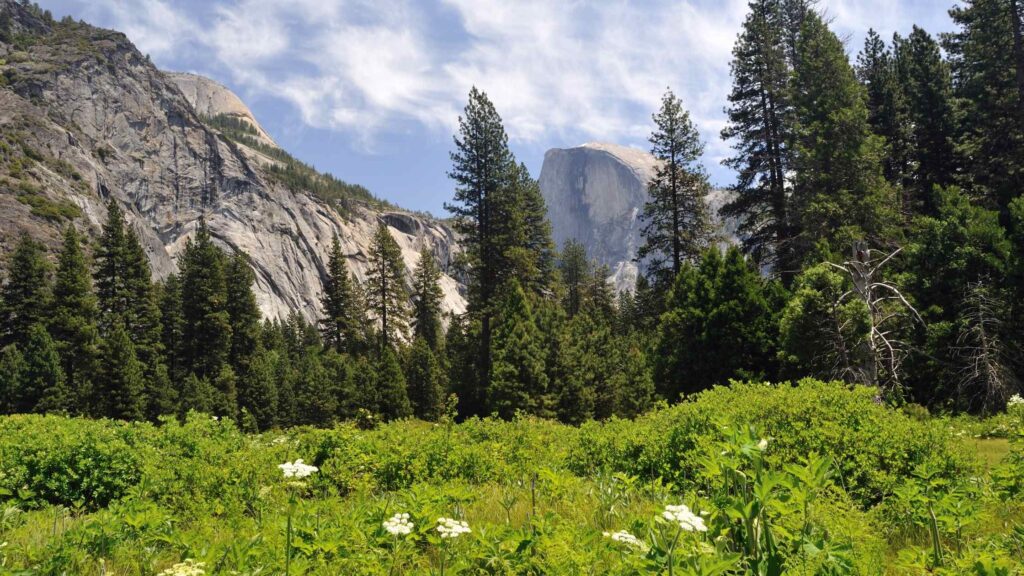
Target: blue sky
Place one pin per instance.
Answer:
(370, 90)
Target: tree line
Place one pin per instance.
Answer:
(881, 242)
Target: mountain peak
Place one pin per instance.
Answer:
(212, 99)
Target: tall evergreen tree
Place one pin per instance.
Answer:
(888, 112)
(26, 295)
(676, 222)
(761, 129)
(243, 312)
(483, 169)
(929, 96)
(387, 296)
(206, 334)
(12, 377)
(391, 393)
(73, 319)
(576, 271)
(425, 381)
(257, 389)
(342, 316)
(121, 377)
(43, 388)
(172, 324)
(519, 379)
(427, 297)
(987, 63)
(839, 193)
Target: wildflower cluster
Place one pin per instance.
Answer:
(687, 520)
(628, 539)
(399, 525)
(187, 568)
(297, 469)
(1014, 401)
(451, 528)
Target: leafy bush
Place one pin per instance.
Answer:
(872, 445)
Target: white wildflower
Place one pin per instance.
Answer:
(1015, 400)
(687, 520)
(399, 525)
(763, 444)
(627, 539)
(450, 528)
(297, 469)
(187, 568)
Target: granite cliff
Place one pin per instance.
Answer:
(84, 117)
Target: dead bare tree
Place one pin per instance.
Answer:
(888, 313)
(985, 380)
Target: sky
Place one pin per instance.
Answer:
(371, 90)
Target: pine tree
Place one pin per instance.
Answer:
(987, 64)
(392, 394)
(425, 381)
(718, 324)
(206, 334)
(519, 376)
(888, 112)
(42, 388)
(538, 245)
(172, 324)
(26, 295)
(257, 389)
(387, 296)
(12, 377)
(243, 312)
(632, 379)
(72, 321)
(427, 297)
(927, 85)
(197, 395)
(483, 169)
(125, 291)
(839, 193)
(315, 399)
(462, 354)
(587, 385)
(121, 377)
(761, 127)
(576, 271)
(342, 316)
(676, 222)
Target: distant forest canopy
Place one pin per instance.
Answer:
(884, 197)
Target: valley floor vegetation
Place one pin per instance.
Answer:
(812, 478)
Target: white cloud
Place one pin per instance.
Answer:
(558, 72)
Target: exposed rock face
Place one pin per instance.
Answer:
(595, 194)
(86, 117)
(210, 98)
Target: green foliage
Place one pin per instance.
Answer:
(427, 298)
(121, 383)
(26, 293)
(54, 210)
(519, 381)
(386, 295)
(207, 330)
(426, 381)
(72, 321)
(676, 225)
(342, 314)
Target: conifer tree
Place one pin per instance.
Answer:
(888, 113)
(576, 272)
(427, 297)
(12, 377)
(632, 380)
(172, 324)
(839, 193)
(206, 333)
(483, 169)
(462, 354)
(316, 400)
(257, 389)
(425, 381)
(519, 376)
(392, 394)
(125, 291)
(121, 380)
(43, 388)
(926, 83)
(987, 64)
(197, 395)
(386, 293)
(538, 246)
(243, 312)
(761, 128)
(676, 222)
(73, 319)
(340, 326)
(26, 295)
(587, 390)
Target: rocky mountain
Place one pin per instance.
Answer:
(85, 117)
(596, 193)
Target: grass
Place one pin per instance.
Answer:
(990, 451)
